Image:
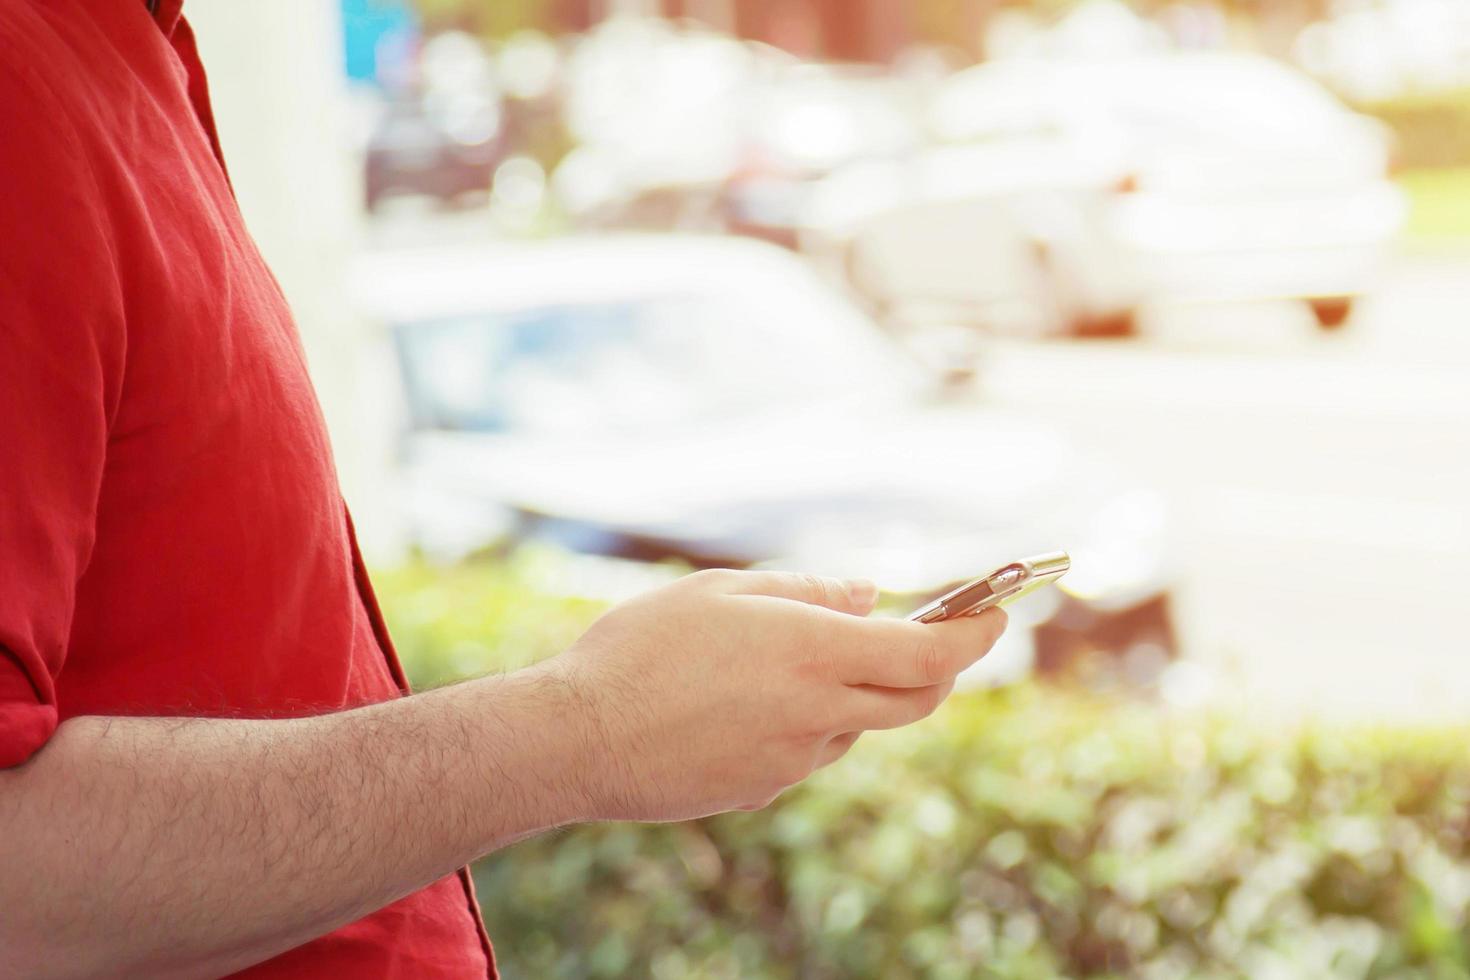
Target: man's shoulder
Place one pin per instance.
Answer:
(51, 155)
(38, 66)
(66, 95)
(31, 34)
(65, 61)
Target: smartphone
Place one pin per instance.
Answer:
(996, 589)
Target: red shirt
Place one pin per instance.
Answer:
(172, 536)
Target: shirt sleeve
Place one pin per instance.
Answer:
(61, 357)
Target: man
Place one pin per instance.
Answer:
(208, 763)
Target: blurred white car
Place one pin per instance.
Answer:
(711, 400)
(651, 105)
(1186, 176)
(806, 121)
(1389, 51)
(678, 127)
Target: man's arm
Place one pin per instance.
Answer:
(177, 847)
(196, 847)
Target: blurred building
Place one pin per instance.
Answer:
(840, 30)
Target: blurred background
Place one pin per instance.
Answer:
(599, 291)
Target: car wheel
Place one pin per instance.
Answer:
(1332, 312)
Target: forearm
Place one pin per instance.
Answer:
(193, 847)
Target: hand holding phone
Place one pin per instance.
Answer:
(1001, 586)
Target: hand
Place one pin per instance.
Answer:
(722, 689)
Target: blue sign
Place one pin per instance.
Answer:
(380, 37)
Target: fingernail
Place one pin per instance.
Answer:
(862, 592)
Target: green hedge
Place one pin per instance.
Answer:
(1439, 206)
(1026, 833)
(452, 622)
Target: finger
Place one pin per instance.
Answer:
(897, 653)
(874, 708)
(855, 596)
(836, 748)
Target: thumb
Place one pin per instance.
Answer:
(854, 596)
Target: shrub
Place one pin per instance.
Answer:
(453, 622)
(1022, 833)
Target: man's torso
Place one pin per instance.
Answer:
(222, 579)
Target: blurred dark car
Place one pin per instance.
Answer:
(446, 156)
(711, 400)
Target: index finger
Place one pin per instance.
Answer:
(898, 653)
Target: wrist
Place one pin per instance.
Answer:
(535, 748)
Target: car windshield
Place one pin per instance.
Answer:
(631, 365)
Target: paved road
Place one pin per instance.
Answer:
(1320, 484)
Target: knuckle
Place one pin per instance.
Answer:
(818, 588)
(798, 645)
(841, 744)
(818, 652)
(713, 579)
(929, 660)
(932, 699)
(922, 703)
